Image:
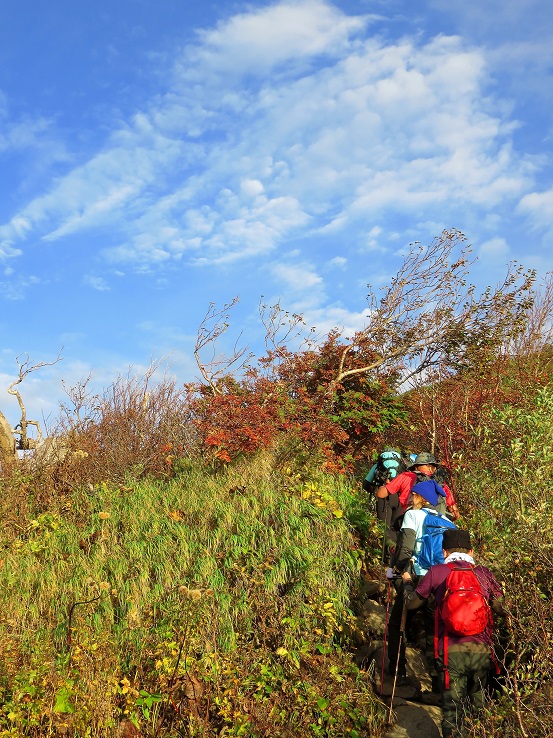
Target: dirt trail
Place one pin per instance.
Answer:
(416, 709)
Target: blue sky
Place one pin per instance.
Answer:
(158, 156)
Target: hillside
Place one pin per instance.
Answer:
(193, 560)
(185, 606)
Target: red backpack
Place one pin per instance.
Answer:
(464, 610)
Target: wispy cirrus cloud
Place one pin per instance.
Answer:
(284, 122)
(97, 283)
(15, 287)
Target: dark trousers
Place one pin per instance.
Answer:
(468, 675)
(388, 514)
(397, 644)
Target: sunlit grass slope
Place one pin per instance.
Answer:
(201, 603)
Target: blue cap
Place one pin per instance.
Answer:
(429, 489)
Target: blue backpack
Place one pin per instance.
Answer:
(432, 538)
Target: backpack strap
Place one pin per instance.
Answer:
(445, 639)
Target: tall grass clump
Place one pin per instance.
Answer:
(203, 603)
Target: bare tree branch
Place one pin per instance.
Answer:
(212, 327)
(24, 369)
(429, 315)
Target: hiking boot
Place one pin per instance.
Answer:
(402, 679)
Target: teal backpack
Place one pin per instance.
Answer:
(388, 465)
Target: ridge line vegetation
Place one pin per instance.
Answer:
(186, 561)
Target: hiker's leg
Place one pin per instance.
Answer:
(382, 508)
(480, 668)
(428, 613)
(454, 698)
(395, 641)
(391, 533)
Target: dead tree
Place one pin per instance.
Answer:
(24, 442)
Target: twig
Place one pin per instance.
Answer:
(70, 617)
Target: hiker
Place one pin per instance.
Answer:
(388, 466)
(396, 493)
(415, 553)
(466, 660)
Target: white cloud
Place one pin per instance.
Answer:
(495, 248)
(282, 122)
(97, 283)
(297, 277)
(256, 42)
(338, 262)
(324, 319)
(539, 208)
(16, 287)
(251, 187)
(374, 241)
(28, 133)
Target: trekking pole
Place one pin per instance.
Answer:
(401, 639)
(382, 558)
(384, 645)
(383, 553)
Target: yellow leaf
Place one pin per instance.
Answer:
(281, 652)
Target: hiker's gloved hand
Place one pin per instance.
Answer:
(407, 580)
(390, 573)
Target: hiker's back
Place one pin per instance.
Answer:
(430, 545)
(464, 609)
(387, 466)
(461, 589)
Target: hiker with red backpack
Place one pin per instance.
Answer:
(465, 595)
(419, 546)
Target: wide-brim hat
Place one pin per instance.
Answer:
(424, 458)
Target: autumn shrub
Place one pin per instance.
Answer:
(186, 605)
(139, 427)
(298, 403)
(506, 502)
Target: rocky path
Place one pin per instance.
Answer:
(416, 712)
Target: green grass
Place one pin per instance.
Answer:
(240, 580)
